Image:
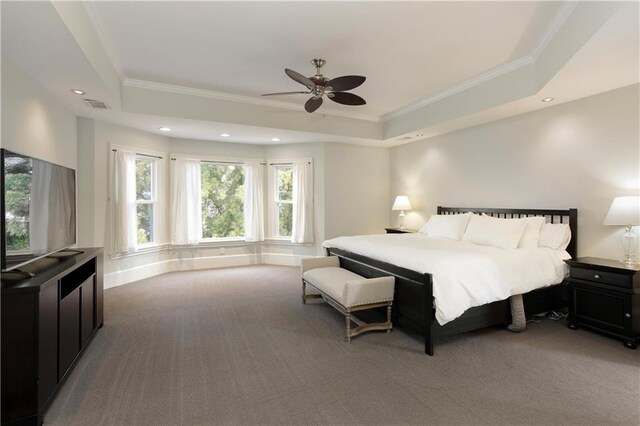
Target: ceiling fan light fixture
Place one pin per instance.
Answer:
(319, 85)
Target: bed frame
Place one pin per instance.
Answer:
(413, 303)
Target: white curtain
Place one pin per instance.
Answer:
(186, 202)
(126, 238)
(39, 207)
(302, 231)
(254, 202)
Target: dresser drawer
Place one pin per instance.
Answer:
(609, 278)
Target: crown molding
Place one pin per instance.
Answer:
(103, 38)
(222, 96)
(556, 23)
(475, 81)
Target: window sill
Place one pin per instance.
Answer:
(146, 249)
(285, 242)
(231, 242)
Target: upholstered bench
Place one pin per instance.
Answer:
(347, 292)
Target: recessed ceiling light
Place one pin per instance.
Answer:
(419, 135)
(164, 129)
(225, 135)
(275, 139)
(547, 99)
(77, 92)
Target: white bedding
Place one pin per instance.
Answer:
(464, 274)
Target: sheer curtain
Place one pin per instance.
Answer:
(254, 202)
(126, 238)
(186, 202)
(302, 231)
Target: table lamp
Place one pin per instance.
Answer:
(625, 211)
(401, 203)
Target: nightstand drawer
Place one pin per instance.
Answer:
(609, 278)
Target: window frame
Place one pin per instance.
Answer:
(224, 162)
(272, 204)
(275, 199)
(159, 217)
(154, 198)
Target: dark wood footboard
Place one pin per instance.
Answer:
(413, 297)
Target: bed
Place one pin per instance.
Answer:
(414, 293)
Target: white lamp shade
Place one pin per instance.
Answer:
(401, 203)
(624, 211)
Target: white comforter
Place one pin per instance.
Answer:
(464, 274)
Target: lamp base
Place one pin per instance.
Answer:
(401, 215)
(630, 246)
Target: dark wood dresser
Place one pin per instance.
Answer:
(47, 323)
(604, 296)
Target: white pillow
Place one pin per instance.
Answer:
(555, 236)
(491, 231)
(531, 234)
(451, 226)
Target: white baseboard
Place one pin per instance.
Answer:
(126, 276)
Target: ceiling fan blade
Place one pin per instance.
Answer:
(285, 93)
(313, 104)
(346, 98)
(300, 78)
(346, 82)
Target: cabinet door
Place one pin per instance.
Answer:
(69, 330)
(602, 308)
(87, 296)
(48, 341)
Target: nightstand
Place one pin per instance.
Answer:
(604, 296)
(400, 231)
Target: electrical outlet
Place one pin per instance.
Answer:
(221, 251)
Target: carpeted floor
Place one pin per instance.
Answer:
(236, 346)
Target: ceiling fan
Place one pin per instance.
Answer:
(319, 85)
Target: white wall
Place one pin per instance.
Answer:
(357, 190)
(578, 154)
(33, 122)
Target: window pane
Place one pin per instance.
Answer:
(143, 180)
(285, 221)
(285, 184)
(145, 223)
(222, 201)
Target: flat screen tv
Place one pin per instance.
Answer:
(39, 209)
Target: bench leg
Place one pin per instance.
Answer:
(304, 293)
(389, 318)
(347, 331)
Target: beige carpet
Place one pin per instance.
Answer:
(236, 346)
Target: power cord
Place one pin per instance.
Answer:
(551, 315)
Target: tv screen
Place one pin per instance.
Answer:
(39, 209)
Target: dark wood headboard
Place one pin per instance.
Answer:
(569, 216)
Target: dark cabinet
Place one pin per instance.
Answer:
(604, 296)
(47, 321)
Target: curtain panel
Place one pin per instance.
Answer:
(303, 229)
(186, 202)
(126, 239)
(254, 202)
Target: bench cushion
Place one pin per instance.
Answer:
(350, 289)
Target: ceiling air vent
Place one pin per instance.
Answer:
(92, 103)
